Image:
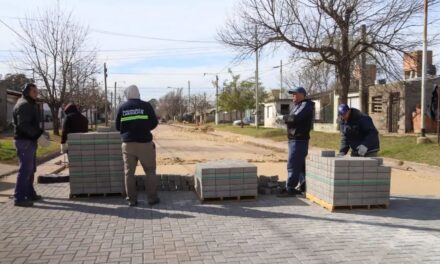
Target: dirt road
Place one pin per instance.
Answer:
(179, 150)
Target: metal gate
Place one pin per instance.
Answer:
(394, 112)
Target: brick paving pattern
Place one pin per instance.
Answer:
(182, 230)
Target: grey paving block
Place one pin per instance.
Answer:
(328, 153)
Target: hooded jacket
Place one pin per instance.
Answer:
(358, 130)
(26, 118)
(74, 122)
(299, 121)
(136, 118)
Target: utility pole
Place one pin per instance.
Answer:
(256, 77)
(114, 109)
(111, 100)
(216, 100)
(363, 101)
(424, 66)
(189, 97)
(105, 91)
(281, 77)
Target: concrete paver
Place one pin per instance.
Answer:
(7, 184)
(181, 229)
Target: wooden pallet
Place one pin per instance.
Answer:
(88, 195)
(333, 208)
(228, 198)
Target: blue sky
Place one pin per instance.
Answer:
(153, 65)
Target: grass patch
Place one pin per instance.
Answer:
(396, 147)
(272, 133)
(8, 153)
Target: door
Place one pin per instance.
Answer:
(394, 112)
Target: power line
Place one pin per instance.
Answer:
(151, 38)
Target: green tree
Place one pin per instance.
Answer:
(14, 81)
(239, 95)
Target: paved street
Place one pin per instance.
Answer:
(182, 230)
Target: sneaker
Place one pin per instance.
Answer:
(36, 198)
(284, 193)
(132, 203)
(153, 202)
(25, 203)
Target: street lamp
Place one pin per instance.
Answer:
(281, 76)
(216, 96)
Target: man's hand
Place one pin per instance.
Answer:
(340, 154)
(362, 150)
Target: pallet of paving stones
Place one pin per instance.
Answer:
(268, 185)
(347, 182)
(168, 182)
(226, 180)
(96, 166)
(332, 207)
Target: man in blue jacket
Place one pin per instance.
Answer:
(299, 123)
(135, 120)
(358, 133)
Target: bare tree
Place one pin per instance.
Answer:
(53, 46)
(315, 79)
(200, 103)
(171, 105)
(328, 31)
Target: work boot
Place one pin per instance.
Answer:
(24, 203)
(36, 198)
(154, 201)
(285, 193)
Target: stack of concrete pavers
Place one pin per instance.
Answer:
(348, 181)
(226, 178)
(95, 163)
(270, 185)
(168, 182)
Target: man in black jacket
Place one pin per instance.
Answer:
(299, 123)
(358, 133)
(26, 134)
(74, 122)
(135, 120)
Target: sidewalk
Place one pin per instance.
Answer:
(6, 169)
(7, 184)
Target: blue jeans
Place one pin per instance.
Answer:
(26, 153)
(296, 163)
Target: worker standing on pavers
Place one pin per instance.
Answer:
(358, 133)
(75, 122)
(27, 133)
(299, 123)
(135, 120)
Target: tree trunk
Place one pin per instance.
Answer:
(55, 120)
(241, 118)
(344, 64)
(344, 80)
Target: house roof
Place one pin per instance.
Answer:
(18, 95)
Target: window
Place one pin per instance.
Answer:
(376, 104)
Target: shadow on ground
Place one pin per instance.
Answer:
(182, 205)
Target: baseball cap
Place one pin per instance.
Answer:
(297, 90)
(343, 109)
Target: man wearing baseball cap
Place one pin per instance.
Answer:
(299, 123)
(358, 133)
